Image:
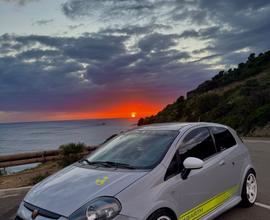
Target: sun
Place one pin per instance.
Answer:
(133, 114)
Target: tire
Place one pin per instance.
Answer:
(250, 189)
(162, 215)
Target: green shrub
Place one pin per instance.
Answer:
(3, 172)
(39, 178)
(70, 153)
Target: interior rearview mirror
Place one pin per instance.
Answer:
(191, 163)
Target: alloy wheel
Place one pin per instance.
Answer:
(251, 187)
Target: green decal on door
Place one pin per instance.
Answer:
(208, 206)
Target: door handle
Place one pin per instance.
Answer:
(221, 163)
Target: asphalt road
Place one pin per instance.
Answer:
(260, 153)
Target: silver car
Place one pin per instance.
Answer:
(183, 171)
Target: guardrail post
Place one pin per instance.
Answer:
(43, 157)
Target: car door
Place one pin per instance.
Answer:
(231, 155)
(206, 188)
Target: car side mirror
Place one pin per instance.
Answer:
(191, 163)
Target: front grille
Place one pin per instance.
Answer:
(41, 212)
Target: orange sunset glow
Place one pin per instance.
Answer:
(125, 110)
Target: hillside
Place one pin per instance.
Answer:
(238, 97)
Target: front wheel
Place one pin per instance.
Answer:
(250, 189)
(161, 215)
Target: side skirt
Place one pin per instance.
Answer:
(223, 208)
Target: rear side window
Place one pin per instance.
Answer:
(223, 138)
(198, 143)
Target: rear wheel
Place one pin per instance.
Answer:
(250, 188)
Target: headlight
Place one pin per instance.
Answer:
(103, 208)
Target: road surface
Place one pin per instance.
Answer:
(260, 153)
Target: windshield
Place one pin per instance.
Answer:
(136, 149)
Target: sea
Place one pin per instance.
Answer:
(40, 136)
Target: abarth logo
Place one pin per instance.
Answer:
(101, 182)
(34, 214)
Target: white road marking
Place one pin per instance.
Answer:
(256, 141)
(13, 192)
(262, 205)
(15, 189)
(7, 196)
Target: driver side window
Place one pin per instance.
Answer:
(198, 143)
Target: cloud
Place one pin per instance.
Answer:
(56, 73)
(20, 2)
(218, 22)
(157, 42)
(76, 8)
(75, 26)
(43, 22)
(136, 29)
(153, 50)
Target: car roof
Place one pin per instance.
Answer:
(177, 126)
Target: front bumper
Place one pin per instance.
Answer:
(25, 214)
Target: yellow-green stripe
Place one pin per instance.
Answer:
(208, 206)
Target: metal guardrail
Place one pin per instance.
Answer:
(35, 157)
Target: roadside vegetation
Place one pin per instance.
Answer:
(70, 153)
(36, 179)
(237, 97)
(2, 172)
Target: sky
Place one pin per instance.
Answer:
(76, 59)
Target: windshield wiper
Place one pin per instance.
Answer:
(108, 164)
(119, 165)
(85, 160)
(95, 162)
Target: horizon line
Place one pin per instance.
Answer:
(65, 120)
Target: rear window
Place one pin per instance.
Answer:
(223, 138)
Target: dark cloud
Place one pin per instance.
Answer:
(76, 8)
(48, 78)
(203, 33)
(75, 26)
(54, 73)
(227, 25)
(219, 22)
(157, 42)
(108, 9)
(237, 5)
(190, 33)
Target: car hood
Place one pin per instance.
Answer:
(69, 189)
